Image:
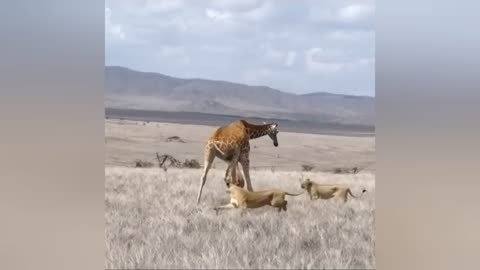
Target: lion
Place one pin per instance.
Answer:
(328, 191)
(242, 198)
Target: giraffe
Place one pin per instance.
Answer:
(231, 144)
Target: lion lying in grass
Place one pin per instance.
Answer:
(242, 198)
(328, 191)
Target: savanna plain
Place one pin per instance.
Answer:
(153, 220)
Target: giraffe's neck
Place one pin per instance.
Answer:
(256, 131)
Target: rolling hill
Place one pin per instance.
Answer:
(130, 89)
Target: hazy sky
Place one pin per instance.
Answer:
(296, 46)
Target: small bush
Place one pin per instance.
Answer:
(143, 164)
(191, 163)
(174, 139)
(307, 168)
(345, 170)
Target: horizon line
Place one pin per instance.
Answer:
(216, 80)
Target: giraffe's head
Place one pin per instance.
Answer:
(272, 133)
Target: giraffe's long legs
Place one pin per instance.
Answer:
(226, 173)
(232, 168)
(209, 157)
(245, 162)
(229, 178)
(240, 177)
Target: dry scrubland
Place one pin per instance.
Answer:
(153, 221)
(126, 141)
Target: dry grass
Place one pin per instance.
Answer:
(152, 221)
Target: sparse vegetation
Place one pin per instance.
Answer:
(143, 164)
(174, 139)
(191, 163)
(153, 221)
(175, 163)
(155, 224)
(346, 170)
(307, 168)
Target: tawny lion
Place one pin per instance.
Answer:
(328, 191)
(242, 198)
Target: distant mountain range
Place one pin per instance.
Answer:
(130, 89)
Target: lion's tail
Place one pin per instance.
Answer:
(292, 194)
(351, 194)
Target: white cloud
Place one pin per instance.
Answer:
(319, 60)
(346, 14)
(272, 54)
(285, 58)
(290, 58)
(178, 53)
(172, 51)
(356, 12)
(261, 13)
(254, 13)
(203, 39)
(350, 35)
(278, 35)
(320, 14)
(163, 5)
(217, 49)
(235, 5)
(112, 31)
(217, 15)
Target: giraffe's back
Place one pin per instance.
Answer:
(235, 131)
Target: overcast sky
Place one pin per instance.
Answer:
(295, 46)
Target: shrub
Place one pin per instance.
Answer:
(191, 163)
(174, 139)
(307, 168)
(337, 170)
(143, 164)
(346, 170)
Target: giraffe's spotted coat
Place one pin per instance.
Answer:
(231, 144)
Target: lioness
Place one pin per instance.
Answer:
(242, 198)
(327, 191)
